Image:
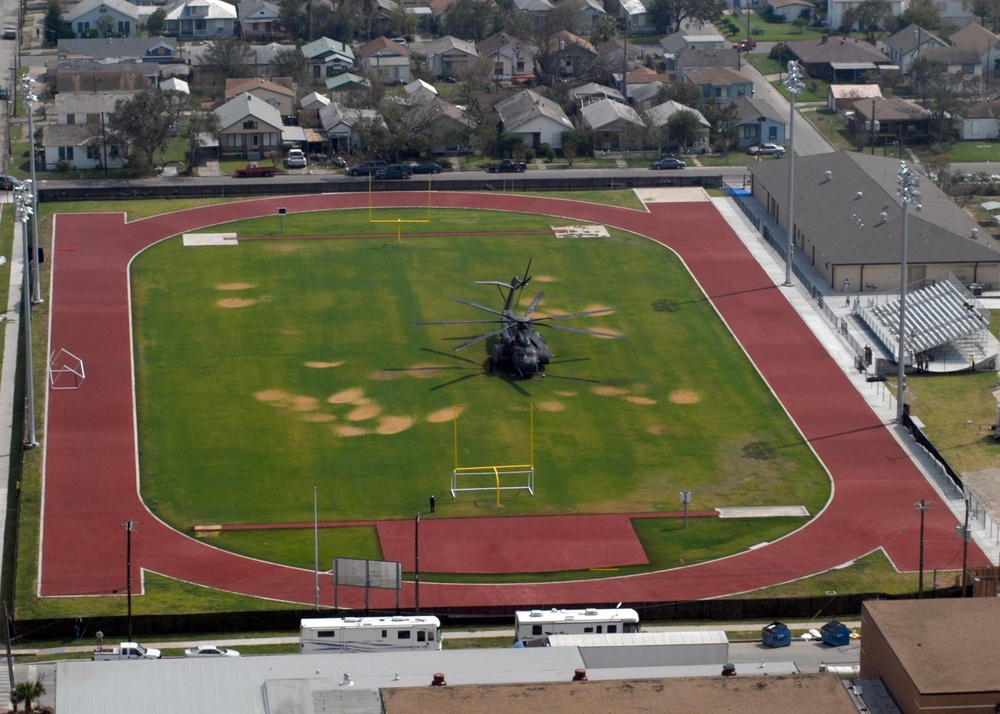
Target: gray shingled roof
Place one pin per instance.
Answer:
(527, 105)
(606, 112)
(244, 105)
(836, 49)
(847, 227)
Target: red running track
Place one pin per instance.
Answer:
(91, 476)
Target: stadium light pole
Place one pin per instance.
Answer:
(907, 183)
(29, 98)
(416, 564)
(793, 83)
(24, 213)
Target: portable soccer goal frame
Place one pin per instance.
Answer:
(65, 370)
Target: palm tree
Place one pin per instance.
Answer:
(26, 692)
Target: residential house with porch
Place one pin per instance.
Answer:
(450, 57)
(792, 10)
(339, 122)
(327, 58)
(536, 10)
(104, 18)
(839, 59)
(443, 124)
(201, 19)
(895, 119)
(757, 123)
(513, 59)
(259, 20)
(278, 92)
(835, 10)
(720, 83)
(986, 43)
(636, 17)
(387, 60)
(536, 118)
(569, 56)
(980, 122)
(81, 138)
(616, 126)
(162, 50)
(965, 61)
(249, 128)
(841, 97)
(659, 116)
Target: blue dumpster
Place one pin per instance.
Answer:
(776, 634)
(836, 634)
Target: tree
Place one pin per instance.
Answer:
(604, 30)
(921, 13)
(723, 119)
(400, 22)
(292, 19)
(27, 692)
(144, 121)
(157, 22)
(667, 15)
(683, 127)
(569, 146)
(946, 96)
(201, 125)
(290, 63)
(54, 26)
(986, 12)
(870, 16)
(471, 19)
(231, 57)
(564, 17)
(105, 25)
(681, 92)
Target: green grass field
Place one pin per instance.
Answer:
(271, 368)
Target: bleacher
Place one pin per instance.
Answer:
(939, 314)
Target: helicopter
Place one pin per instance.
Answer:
(521, 350)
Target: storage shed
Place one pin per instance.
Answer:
(776, 634)
(836, 634)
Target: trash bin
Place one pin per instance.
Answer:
(976, 289)
(776, 634)
(836, 634)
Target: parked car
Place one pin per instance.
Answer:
(7, 182)
(745, 45)
(295, 159)
(4, 94)
(366, 168)
(9, 32)
(426, 167)
(210, 651)
(507, 166)
(253, 170)
(668, 163)
(394, 171)
(766, 150)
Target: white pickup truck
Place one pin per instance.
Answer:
(125, 650)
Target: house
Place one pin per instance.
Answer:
(249, 128)
(896, 119)
(259, 20)
(792, 10)
(841, 97)
(836, 8)
(104, 18)
(346, 82)
(959, 60)
(513, 60)
(536, 10)
(659, 116)
(339, 122)
(592, 92)
(980, 122)
(85, 75)
(692, 59)
(201, 19)
(720, 83)
(81, 146)
(636, 17)
(570, 55)
(693, 36)
(838, 59)
(279, 93)
(443, 124)
(387, 60)
(615, 53)
(905, 46)
(87, 107)
(449, 56)
(638, 77)
(328, 58)
(591, 12)
(976, 37)
(616, 126)
(538, 119)
(644, 96)
(162, 50)
(175, 85)
(757, 123)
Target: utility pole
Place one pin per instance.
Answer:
(129, 527)
(923, 507)
(416, 564)
(873, 127)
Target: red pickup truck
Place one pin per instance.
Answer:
(255, 171)
(745, 45)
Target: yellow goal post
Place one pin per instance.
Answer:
(495, 477)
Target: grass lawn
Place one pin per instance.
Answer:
(320, 356)
(960, 152)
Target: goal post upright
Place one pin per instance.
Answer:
(398, 221)
(497, 471)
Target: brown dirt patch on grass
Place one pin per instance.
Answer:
(324, 365)
(347, 396)
(685, 396)
(318, 417)
(235, 286)
(645, 401)
(303, 404)
(565, 394)
(446, 414)
(363, 413)
(544, 278)
(347, 430)
(236, 302)
(393, 424)
(271, 395)
(384, 376)
(551, 406)
(424, 371)
(606, 391)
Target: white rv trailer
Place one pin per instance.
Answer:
(592, 621)
(370, 634)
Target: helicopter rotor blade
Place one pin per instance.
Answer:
(473, 341)
(534, 303)
(522, 282)
(457, 322)
(477, 306)
(569, 315)
(580, 330)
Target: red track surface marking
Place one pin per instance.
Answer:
(91, 476)
(517, 544)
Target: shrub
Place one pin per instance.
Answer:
(529, 154)
(550, 155)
